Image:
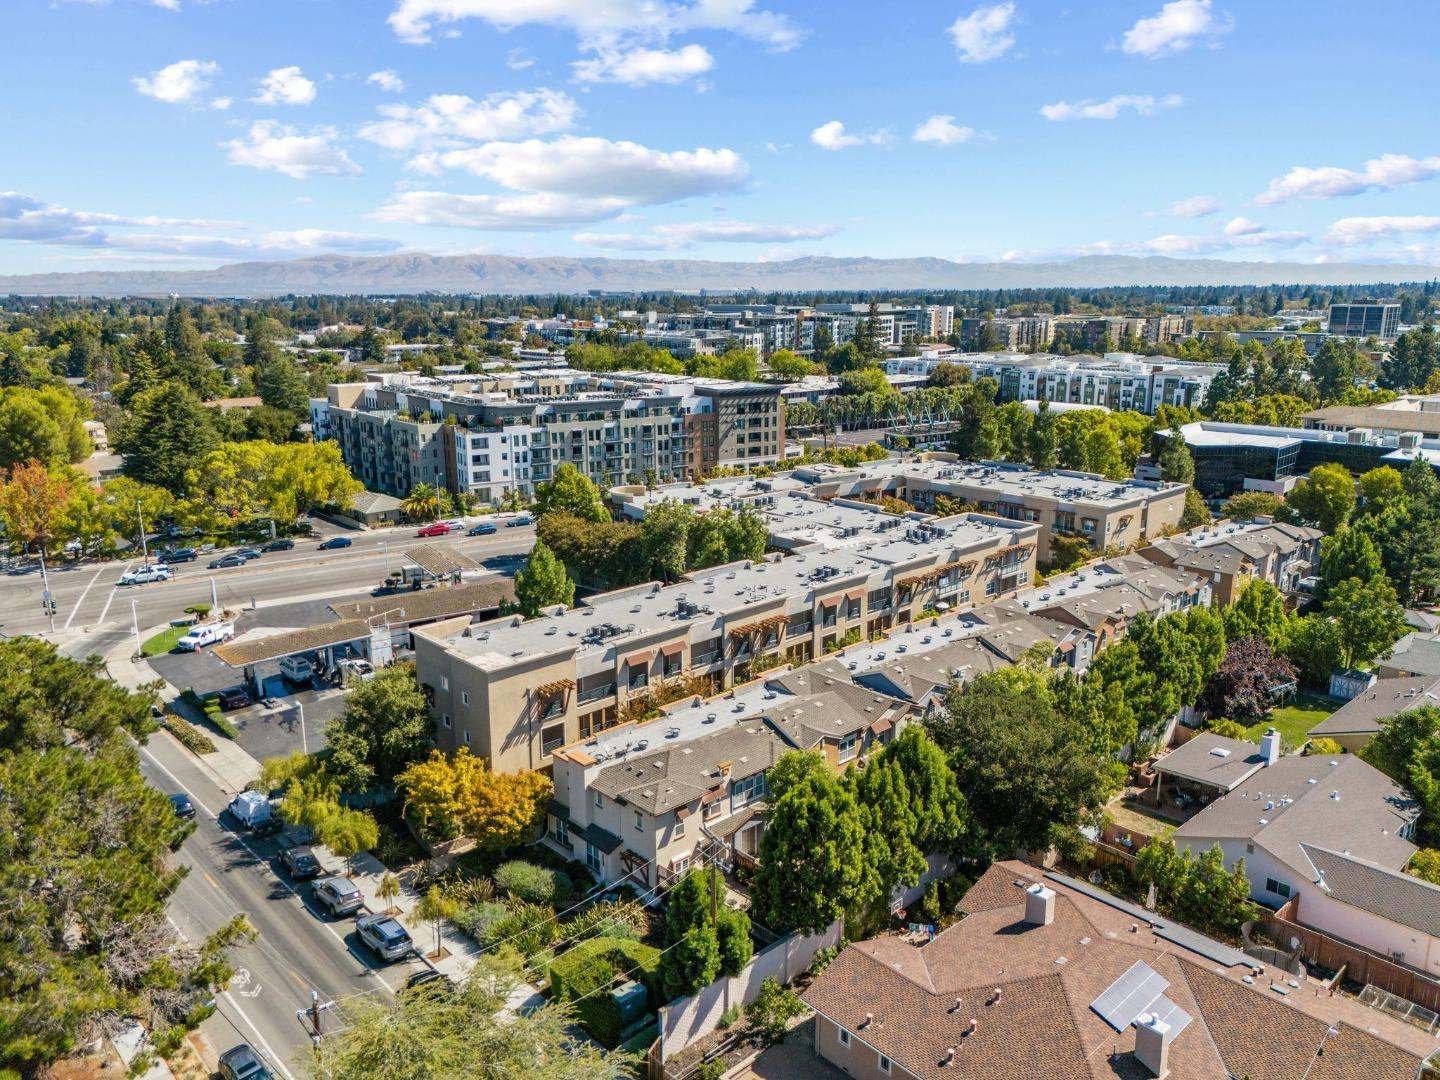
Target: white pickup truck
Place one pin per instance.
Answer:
(203, 634)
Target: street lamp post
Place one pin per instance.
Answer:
(135, 622)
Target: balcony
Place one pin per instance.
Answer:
(799, 629)
(595, 693)
(551, 745)
(704, 659)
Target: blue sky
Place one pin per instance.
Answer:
(187, 133)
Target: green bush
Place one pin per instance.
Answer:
(607, 919)
(189, 736)
(710, 1070)
(532, 884)
(729, 1016)
(479, 919)
(736, 948)
(222, 723)
(770, 1013)
(527, 927)
(585, 972)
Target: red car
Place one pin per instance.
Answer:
(438, 529)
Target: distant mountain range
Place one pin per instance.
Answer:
(417, 273)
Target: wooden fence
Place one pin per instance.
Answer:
(1360, 964)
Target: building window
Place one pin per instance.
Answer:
(639, 821)
(444, 682)
(1279, 888)
(884, 1064)
(446, 721)
(679, 830)
(552, 738)
(714, 809)
(844, 1037)
(747, 790)
(592, 857)
(467, 736)
(599, 800)
(464, 697)
(848, 745)
(562, 832)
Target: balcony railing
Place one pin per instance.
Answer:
(704, 659)
(595, 693)
(551, 745)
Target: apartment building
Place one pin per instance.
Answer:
(644, 802)
(1108, 513)
(515, 691)
(1024, 332)
(1094, 332)
(1377, 319)
(1234, 553)
(490, 435)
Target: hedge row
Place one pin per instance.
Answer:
(585, 972)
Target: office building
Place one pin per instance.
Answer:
(1377, 319)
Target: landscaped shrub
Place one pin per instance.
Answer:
(736, 948)
(770, 1013)
(189, 736)
(479, 919)
(532, 884)
(528, 928)
(607, 919)
(589, 969)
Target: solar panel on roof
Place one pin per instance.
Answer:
(1130, 995)
(1170, 1013)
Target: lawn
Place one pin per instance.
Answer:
(1295, 720)
(1136, 819)
(164, 641)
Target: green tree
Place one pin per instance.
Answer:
(467, 1032)
(348, 832)
(691, 960)
(1425, 864)
(1313, 644)
(169, 431)
(44, 424)
(1326, 498)
(188, 361)
(794, 767)
(571, 492)
(1407, 749)
(1381, 488)
(812, 857)
(1349, 553)
(1368, 617)
(1023, 768)
(384, 726)
(543, 583)
(1196, 512)
(1042, 438)
(422, 504)
(1337, 366)
(372, 343)
(1249, 505)
(282, 384)
(1259, 610)
(1177, 464)
(732, 929)
(788, 365)
(435, 907)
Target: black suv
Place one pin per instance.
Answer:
(301, 862)
(282, 544)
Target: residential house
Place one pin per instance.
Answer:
(1415, 654)
(1360, 719)
(1232, 554)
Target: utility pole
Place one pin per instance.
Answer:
(311, 1017)
(135, 621)
(214, 599)
(47, 598)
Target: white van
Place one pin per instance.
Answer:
(297, 669)
(206, 634)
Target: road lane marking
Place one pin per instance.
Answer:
(209, 878)
(275, 1058)
(113, 590)
(83, 593)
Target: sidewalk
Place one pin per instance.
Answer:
(229, 766)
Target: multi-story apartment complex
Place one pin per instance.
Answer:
(1116, 381)
(490, 435)
(1234, 553)
(1377, 319)
(515, 691)
(1023, 332)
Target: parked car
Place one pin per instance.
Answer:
(184, 807)
(335, 542)
(227, 561)
(184, 554)
(485, 528)
(237, 697)
(338, 895)
(248, 553)
(456, 524)
(283, 544)
(272, 826)
(520, 519)
(205, 634)
(389, 940)
(242, 1063)
(142, 575)
(437, 529)
(301, 862)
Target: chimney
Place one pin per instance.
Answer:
(1270, 746)
(1152, 1044)
(1039, 905)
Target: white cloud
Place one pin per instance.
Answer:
(168, 5)
(833, 136)
(984, 34)
(446, 120)
(1379, 174)
(636, 67)
(177, 83)
(942, 129)
(1110, 108)
(221, 103)
(1195, 206)
(285, 86)
(386, 80)
(597, 168)
(676, 237)
(1364, 230)
(29, 220)
(1177, 26)
(415, 21)
(519, 60)
(525, 212)
(280, 148)
(1239, 226)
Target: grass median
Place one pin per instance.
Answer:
(164, 641)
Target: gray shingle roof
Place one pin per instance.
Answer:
(1419, 653)
(1365, 712)
(1391, 894)
(1199, 760)
(659, 780)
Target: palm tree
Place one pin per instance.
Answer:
(422, 504)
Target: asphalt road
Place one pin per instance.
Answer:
(297, 949)
(88, 597)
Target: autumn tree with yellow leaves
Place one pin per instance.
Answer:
(461, 796)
